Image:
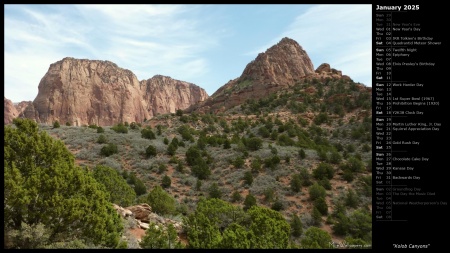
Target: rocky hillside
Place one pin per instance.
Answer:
(84, 92)
(279, 68)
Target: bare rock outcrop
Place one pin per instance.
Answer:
(164, 94)
(10, 112)
(284, 63)
(141, 211)
(144, 216)
(122, 211)
(325, 71)
(280, 67)
(84, 92)
(81, 91)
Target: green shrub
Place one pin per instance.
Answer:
(150, 151)
(316, 191)
(109, 149)
(166, 182)
(147, 133)
(248, 178)
(102, 139)
(120, 128)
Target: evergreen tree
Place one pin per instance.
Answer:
(109, 149)
(119, 191)
(351, 199)
(159, 131)
(120, 128)
(147, 133)
(140, 188)
(249, 201)
(235, 237)
(305, 177)
(160, 201)
(171, 149)
(271, 230)
(296, 226)
(42, 185)
(166, 182)
(102, 139)
(321, 205)
(248, 178)
(203, 226)
(323, 170)
(302, 154)
(316, 238)
(256, 165)
(316, 191)
(236, 197)
(100, 130)
(150, 151)
(296, 183)
(214, 191)
(157, 237)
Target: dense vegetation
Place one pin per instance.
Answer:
(277, 172)
(46, 193)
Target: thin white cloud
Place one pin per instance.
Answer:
(146, 39)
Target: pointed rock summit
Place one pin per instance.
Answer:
(284, 63)
(84, 92)
(280, 67)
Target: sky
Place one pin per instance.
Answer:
(207, 45)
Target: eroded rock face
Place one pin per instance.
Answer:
(81, 91)
(10, 111)
(280, 67)
(164, 94)
(84, 92)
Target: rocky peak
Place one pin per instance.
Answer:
(280, 67)
(84, 92)
(284, 64)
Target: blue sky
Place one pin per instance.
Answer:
(207, 45)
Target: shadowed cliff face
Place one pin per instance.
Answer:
(84, 92)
